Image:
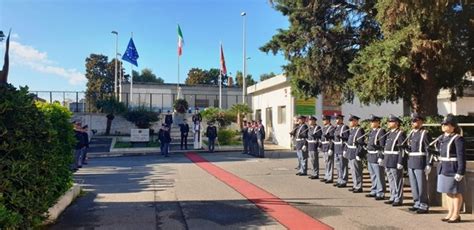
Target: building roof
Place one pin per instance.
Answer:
(269, 84)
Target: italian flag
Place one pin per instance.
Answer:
(180, 41)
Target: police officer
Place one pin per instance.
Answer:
(300, 141)
(375, 144)
(418, 163)
(184, 129)
(250, 134)
(314, 136)
(254, 139)
(211, 133)
(354, 152)
(452, 167)
(260, 133)
(393, 159)
(341, 134)
(245, 137)
(327, 148)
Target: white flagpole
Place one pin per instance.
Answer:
(178, 91)
(120, 81)
(220, 78)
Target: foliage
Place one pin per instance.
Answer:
(248, 80)
(426, 47)
(266, 76)
(146, 76)
(100, 81)
(141, 117)
(240, 111)
(198, 76)
(226, 136)
(36, 151)
(222, 117)
(111, 105)
(321, 41)
(181, 105)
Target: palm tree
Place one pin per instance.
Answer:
(241, 110)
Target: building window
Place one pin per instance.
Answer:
(258, 114)
(281, 114)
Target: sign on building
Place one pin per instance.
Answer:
(140, 135)
(305, 106)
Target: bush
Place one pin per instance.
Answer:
(36, 151)
(222, 117)
(181, 106)
(141, 117)
(226, 136)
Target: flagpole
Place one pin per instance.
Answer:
(131, 81)
(220, 78)
(178, 91)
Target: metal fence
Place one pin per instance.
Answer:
(76, 101)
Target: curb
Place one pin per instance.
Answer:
(63, 202)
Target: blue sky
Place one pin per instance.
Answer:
(52, 38)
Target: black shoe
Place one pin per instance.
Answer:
(336, 185)
(396, 204)
(388, 202)
(350, 190)
(370, 195)
(341, 185)
(313, 177)
(298, 174)
(457, 220)
(357, 191)
(303, 174)
(323, 180)
(379, 198)
(413, 209)
(328, 182)
(421, 211)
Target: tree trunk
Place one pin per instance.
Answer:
(425, 98)
(110, 118)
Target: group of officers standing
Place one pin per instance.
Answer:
(388, 153)
(253, 136)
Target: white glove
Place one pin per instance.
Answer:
(357, 158)
(344, 154)
(303, 148)
(458, 177)
(330, 152)
(427, 170)
(399, 166)
(380, 161)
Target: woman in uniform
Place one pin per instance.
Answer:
(452, 167)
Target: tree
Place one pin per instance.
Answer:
(146, 76)
(198, 76)
(100, 80)
(426, 47)
(321, 41)
(111, 106)
(248, 80)
(266, 76)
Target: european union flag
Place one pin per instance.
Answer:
(131, 54)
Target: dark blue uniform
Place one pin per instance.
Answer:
(245, 139)
(393, 159)
(418, 158)
(341, 134)
(452, 161)
(260, 133)
(354, 149)
(314, 137)
(375, 143)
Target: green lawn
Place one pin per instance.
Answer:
(129, 144)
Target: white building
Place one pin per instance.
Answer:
(273, 103)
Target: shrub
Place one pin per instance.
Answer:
(36, 151)
(181, 106)
(141, 117)
(226, 136)
(222, 117)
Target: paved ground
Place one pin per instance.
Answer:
(152, 192)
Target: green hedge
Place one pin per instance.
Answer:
(141, 117)
(36, 153)
(227, 137)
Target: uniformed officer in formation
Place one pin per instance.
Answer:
(253, 139)
(354, 152)
(452, 167)
(301, 135)
(314, 137)
(260, 133)
(393, 160)
(245, 137)
(327, 148)
(341, 134)
(375, 144)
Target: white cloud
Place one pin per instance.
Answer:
(38, 61)
(15, 36)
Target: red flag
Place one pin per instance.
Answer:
(223, 68)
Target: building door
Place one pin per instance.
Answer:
(268, 123)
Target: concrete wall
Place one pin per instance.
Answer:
(463, 106)
(120, 125)
(364, 112)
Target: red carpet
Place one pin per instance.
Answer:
(284, 213)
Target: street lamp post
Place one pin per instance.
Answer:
(120, 79)
(116, 52)
(244, 59)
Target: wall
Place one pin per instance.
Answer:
(97, 121)
(463, 106)
(364, 112)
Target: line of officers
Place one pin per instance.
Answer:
(387, 152)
